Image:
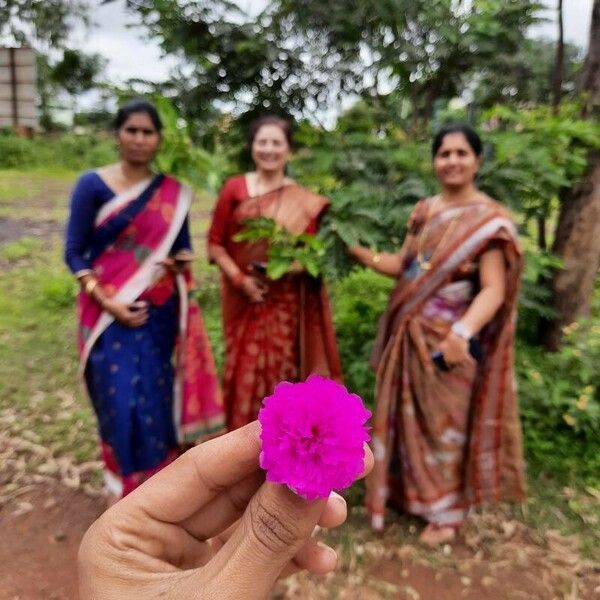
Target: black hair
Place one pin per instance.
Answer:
(280, 122)
(137, 105)
(470, 134)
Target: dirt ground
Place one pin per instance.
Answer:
(42, 527)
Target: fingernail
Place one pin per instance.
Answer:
(328, 549)
(337, 498)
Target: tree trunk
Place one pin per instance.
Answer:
(541, 233)
(559, 61)
(577, 239)
(577, 243)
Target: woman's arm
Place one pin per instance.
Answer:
(80, 225)
(217, 252)
(492, 277)
(382, 262)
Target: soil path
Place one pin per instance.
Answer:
(41, 531)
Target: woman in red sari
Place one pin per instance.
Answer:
(274, 330)
(446, 433)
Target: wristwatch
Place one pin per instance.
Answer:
(461, 330)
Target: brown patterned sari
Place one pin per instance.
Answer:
(446, 441)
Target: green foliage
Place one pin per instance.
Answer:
(297, 56)
(526, 76)
(358, 301)
(180, 157)
(284, 248)
(534, 300)
(536, 154)
(77, 72)
(560, 404)
(48, 22)
(69, 151)
(55, 290)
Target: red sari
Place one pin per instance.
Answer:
(288, 336)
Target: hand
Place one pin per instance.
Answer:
(456, 351)
(130, 315)
(207, 526)
(296, 268)
(255, 289)
(174, 266)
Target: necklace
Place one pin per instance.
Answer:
(425, 264)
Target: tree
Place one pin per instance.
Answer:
(40, 22)
(301, 56)
(425, 50)
(577, 239)
(77, 72)
(525, 77)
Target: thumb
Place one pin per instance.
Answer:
(275, 525)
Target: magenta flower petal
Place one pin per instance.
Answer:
(313, 436)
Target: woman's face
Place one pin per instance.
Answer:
(455, 163)
(270, 149)
(138, 139)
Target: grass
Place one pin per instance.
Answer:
(36, 194)
(22, 248)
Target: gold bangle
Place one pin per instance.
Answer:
(90, 286)
(376, 258)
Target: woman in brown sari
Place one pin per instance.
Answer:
(446, 434)
(274, 330)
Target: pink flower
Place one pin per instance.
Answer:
(313, 436)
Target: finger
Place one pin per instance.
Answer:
(315, 556)
(224, 509)
(369, 461)
(275, 526)
(195, 478)
(228, 507)
(334, 513)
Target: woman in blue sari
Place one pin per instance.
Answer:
(145, 356)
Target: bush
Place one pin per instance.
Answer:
(560, 403)
(73, 152)
(358, 301)
(558, 393)
(16, 152)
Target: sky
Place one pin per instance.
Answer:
(130, 54)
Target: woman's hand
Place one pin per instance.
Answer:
(296, 268)
(456, 351)
(130, 315)
(255, 289)
(207, 526)
(174, 266)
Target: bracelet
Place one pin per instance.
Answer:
(238, 279)
(460, 329)
(376, 258)
(90, 286)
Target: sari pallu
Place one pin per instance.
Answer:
(147, 407)
(446, 441)
(288, 336)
